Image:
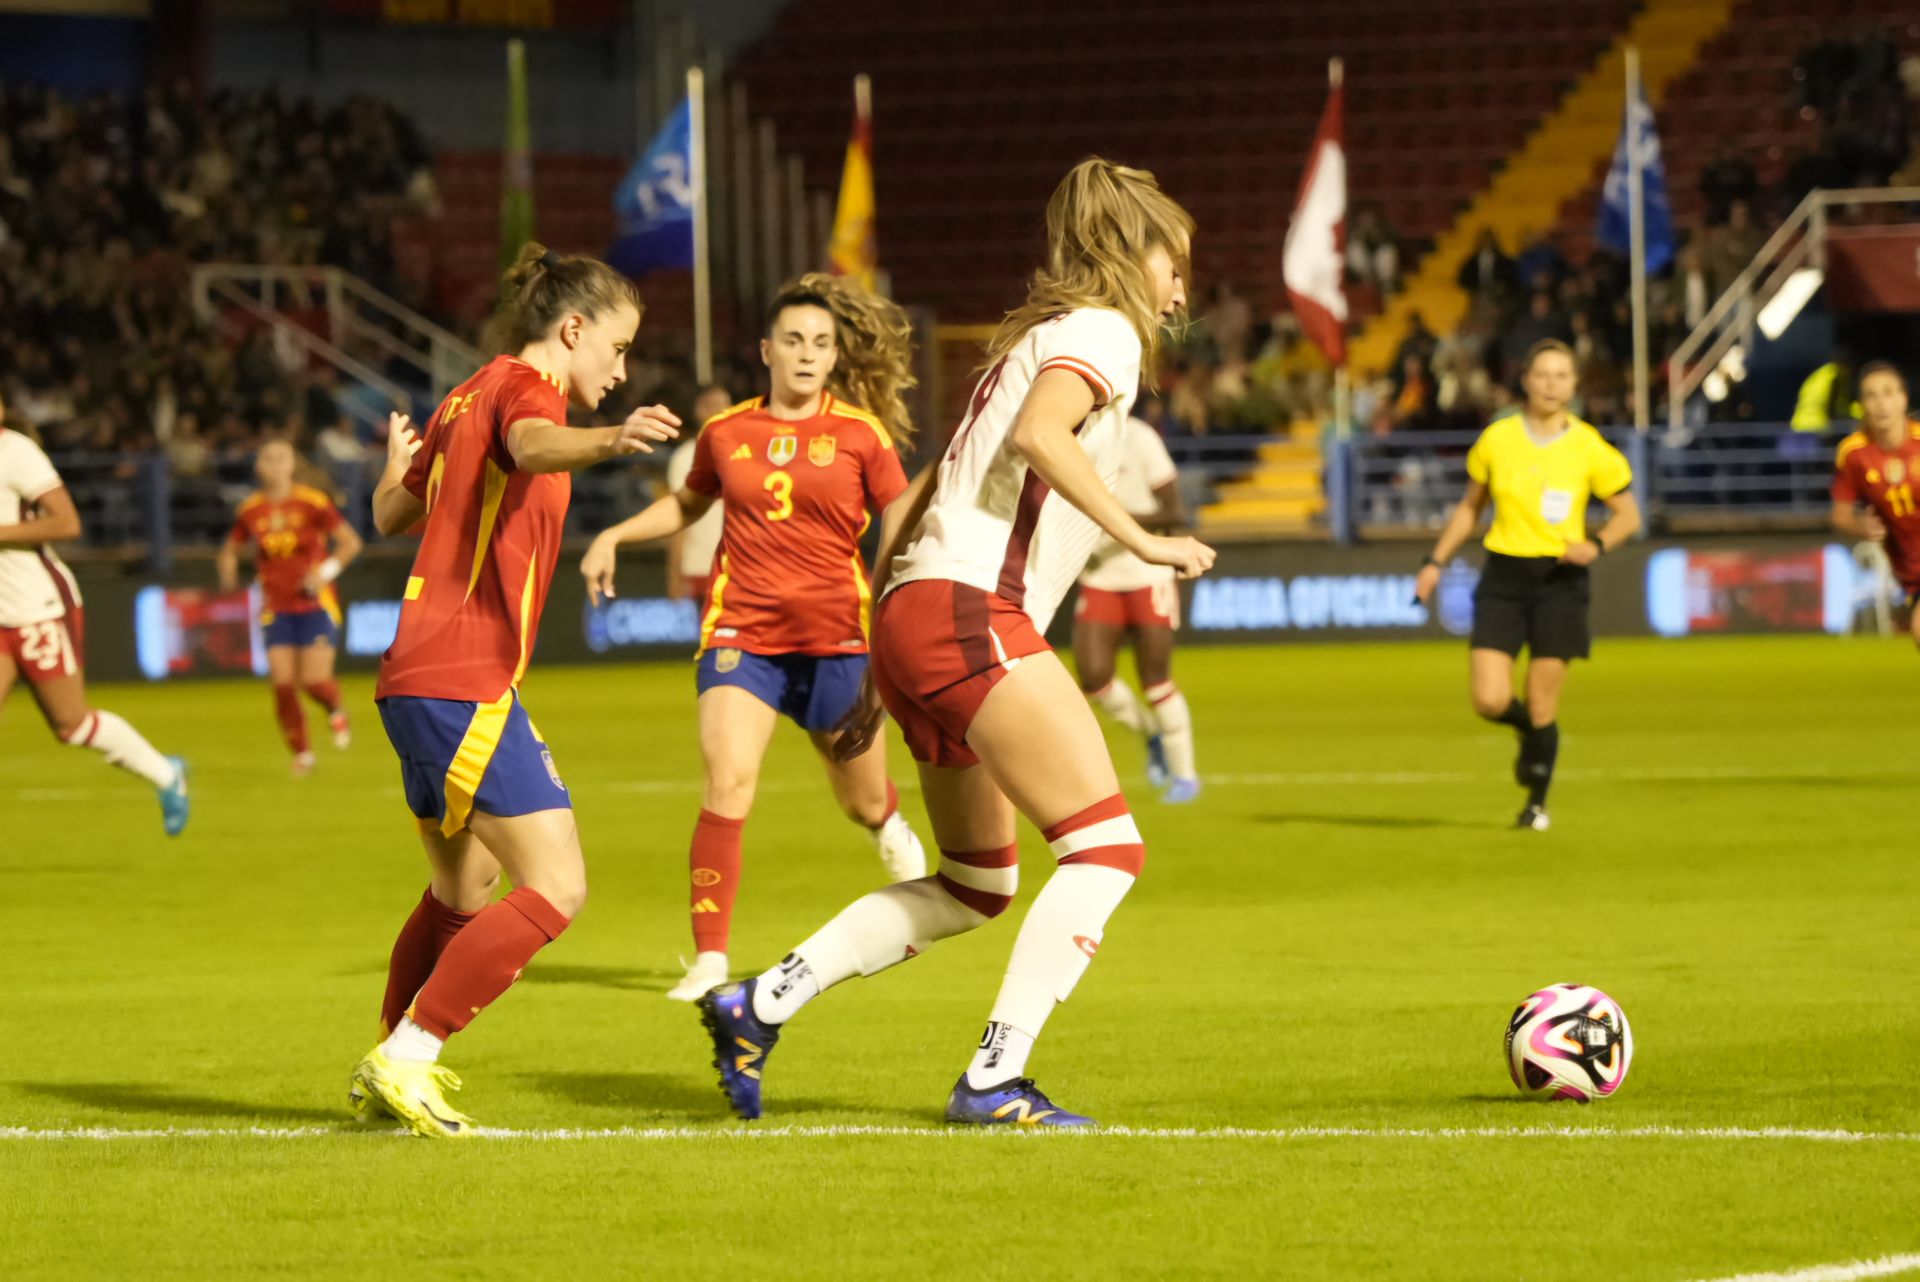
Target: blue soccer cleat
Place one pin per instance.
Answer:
(1015, 1103)
(741, 1044)
(1157, 772)
(1181, 791)
(174, 807)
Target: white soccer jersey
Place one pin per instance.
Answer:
(992, 522)
(35, 585)
(702, 538)
(1145, 466)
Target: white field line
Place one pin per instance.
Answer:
(747, 1133)
(1885, 1267)
(1308, 779)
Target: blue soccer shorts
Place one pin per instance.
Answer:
(457, 757)
(813, 690)
(301, 630)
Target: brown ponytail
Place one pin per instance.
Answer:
(875, 342)
(542, 287)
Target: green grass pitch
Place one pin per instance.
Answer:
(1322, 954)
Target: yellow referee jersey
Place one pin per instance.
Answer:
(1541, 492)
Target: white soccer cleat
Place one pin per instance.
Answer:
(900, 849)
(1534, 817)
(708, 972)
(302, 764)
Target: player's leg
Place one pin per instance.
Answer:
(61, 692)
(736, 725)
(1153, 657)
(979, 871)
(862, 787)
(1044, 749)
(1500, 623)
(1099, 630)
(315, 670)
(1540, 750)
(283, 674)
(464, 877)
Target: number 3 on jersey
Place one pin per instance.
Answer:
(780, 486)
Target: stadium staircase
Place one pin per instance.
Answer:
(1558, 161)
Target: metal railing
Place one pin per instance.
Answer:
(1733, 475)
(1799, 242)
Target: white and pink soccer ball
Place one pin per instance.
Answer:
(1569, 1041)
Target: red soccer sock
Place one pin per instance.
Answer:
(293, 722)
(484, 959)
(326, 694)
(425, 936)
(713, 864)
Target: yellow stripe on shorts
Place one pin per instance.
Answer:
(469, 765)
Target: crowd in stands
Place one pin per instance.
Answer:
(106, 204)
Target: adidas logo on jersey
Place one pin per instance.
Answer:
(744, 451)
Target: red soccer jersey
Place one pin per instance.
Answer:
(789, 578)
(491, 537)
(1887, 480)
(291, 536)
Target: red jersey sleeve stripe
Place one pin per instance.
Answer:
(1101, 385)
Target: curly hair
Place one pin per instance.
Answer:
(1102, 221)
(542, 287)
(875, 342)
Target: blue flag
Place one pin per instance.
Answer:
(654, 202)
(1657, 228)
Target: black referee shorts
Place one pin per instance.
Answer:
(1538, 602)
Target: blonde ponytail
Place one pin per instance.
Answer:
(1102, 221)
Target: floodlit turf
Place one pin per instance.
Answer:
(1332, 938)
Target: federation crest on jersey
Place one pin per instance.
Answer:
(1896, 471)
(820, 451)
(782, 448)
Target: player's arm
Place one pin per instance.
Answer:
(226, 563)
(346, 546)
(1058, 402)
(1461, 523)
(1852, 521)
(58, 520)
(1623, 522)
(659, 519)
(541, 445)
(899, 522)
(396, 508)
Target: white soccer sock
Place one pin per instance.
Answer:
(123, 746)
(1117, 700)
(1002, 1055)
(872, 933)
(1176, 728)
(410, 1041)
(1057, 941)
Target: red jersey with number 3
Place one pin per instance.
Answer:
(290, 537)
(789, 578)
(488, 547)
(1889, 482)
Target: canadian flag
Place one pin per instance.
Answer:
(1313, 261)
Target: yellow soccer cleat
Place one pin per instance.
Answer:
(413, 1091)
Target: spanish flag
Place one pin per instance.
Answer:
(852, 251)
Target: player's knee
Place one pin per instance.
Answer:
(1104, 834)
(1093, 680)
(568, 894)
(72, 728)
(730, 792)
(982, 880)
(868, 810)
(1489, 705)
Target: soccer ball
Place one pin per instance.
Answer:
(1569, 1041)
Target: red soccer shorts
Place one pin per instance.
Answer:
(47, 651)
(938, 648)
(1150, 607)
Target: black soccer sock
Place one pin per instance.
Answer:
(1515, 716)
(1538, 754)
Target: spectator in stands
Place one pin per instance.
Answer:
(1730, 247)
(1727, 177)
(1373, 251)
(1543, 321)
(1541, 264)
(1419, 344)
(1488, 270)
